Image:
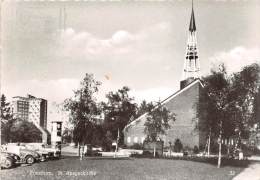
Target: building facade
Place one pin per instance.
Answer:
(38, 111)
(20, 106)
(183, 103)
(34, 110)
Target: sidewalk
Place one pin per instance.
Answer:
(254, 158)
(250, 173)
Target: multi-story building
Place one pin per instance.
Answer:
(34, 110)
(20, 107)
(38, 111)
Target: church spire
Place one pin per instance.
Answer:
(192, 21)
(191, 68)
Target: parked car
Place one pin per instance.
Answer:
(26, 155)
(8, 160)
(55, 152)
(90, 150)
(44, 155)
(97, 148)
(29, 156)
(41, 148)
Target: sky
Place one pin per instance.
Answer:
(139, 44)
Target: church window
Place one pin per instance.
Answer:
(128, 139)
(136, 139)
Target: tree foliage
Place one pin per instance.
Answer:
(6, 113)
(119, 111)
(144, 108)
(227, 102)
(177, 145)
(17, 130)
(245, 90)
(214, 103)
(157, 122)
(24, 131)
(84, 109)
(6, 119)
(67, 135)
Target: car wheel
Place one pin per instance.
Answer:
(43, 158)
(8, 163)
(30, 160)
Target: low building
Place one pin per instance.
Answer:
(183, 104)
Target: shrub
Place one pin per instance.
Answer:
(123, 146)
(147, 154)
(136, 146)
(195, 150)
(177, 145)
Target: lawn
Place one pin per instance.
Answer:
(72, 168)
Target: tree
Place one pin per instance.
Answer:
(67, 135)
(177, 145)
(108, 140)
(24, 131)
(144, 108)
(245, 89)
(119, 111)
(256, 113)
(226, 104)
(84, 109)
(6, 119)
(213, 107)
(99, 137)
(157, 122)
(6, 113)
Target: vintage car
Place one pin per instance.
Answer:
(44, 155)
(42, 149)
(97, 148)
(8, 160)
(56, 153)
(90, 150)
(26, 155)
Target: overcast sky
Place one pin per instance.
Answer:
(138, 44)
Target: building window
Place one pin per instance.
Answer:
(136, 140)
(128, 139)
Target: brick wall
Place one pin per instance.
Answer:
(184, 128)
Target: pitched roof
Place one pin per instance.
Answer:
(167, 100)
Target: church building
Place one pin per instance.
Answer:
(182, 103)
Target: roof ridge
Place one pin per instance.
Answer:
(168, 98)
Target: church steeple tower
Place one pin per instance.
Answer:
(191, 68)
